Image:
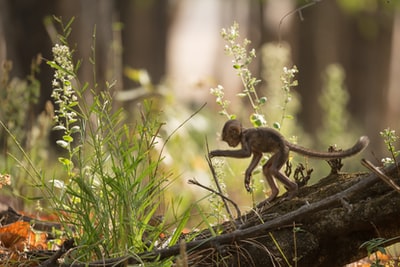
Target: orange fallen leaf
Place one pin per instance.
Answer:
(19, 235)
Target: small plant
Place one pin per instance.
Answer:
(336, 118)
(288, 81)
(17, 98)
(241, 61)
(218, 92)
(390, 138)
(112, 187)
(375, 247)
(333, 101)
(65, 98)
(216, 205)
(279, 84)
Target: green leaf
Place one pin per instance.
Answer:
(178, 230)
(68, 138)
(262, 100)
(73, 104)
(64, 161)
(76, 149)
(257, 120)
(53, 65)
(290, 117)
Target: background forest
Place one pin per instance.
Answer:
(176, 45)
(170, 53)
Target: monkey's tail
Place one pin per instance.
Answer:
(358, 147)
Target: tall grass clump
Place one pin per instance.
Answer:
(113, 184)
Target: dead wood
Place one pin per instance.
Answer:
(324, 226)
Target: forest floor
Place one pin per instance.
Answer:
(29, 241)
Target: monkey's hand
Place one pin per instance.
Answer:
(247, 180)
(211, 154)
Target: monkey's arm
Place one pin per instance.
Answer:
(241, 153)
(253, 164)
(245, 152)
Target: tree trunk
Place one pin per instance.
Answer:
(144, 36)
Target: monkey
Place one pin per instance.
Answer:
(261, 140)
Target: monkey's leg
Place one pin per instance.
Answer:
(272, 185)
(271, 169)
(292, 187)
(270, 179)
(253, 164)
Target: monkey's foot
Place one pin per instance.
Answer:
(291, 194)
(271, 198)
(247, 184)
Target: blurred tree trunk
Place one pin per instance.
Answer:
(369, 70)
(23, 38)
(361, 42)
(91, 32)
(143, 39)
(144, 36)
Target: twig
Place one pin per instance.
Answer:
(297, 10)
(214, 174)
(380, 174)
(53, 260)
(224, 198)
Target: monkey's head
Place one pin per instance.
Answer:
(232, 132)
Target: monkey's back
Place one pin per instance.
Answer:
(264, 140)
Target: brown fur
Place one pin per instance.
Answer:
(256, 141)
